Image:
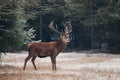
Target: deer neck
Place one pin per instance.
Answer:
(61, 45)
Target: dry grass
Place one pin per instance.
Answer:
(68, 68)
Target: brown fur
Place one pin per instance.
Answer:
(52, 49)
(45, 49)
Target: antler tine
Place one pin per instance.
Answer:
(51, 26)
(68, 27)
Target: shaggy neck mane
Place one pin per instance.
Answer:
(61, 45)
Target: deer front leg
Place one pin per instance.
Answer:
(33, 62)
(53, 60)
(26, 60)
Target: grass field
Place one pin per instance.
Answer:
(70, 66)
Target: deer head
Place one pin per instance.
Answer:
(67, 30)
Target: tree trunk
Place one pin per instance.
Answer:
(40, 27)
(92, 37)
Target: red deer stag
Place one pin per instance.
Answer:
(52, 49)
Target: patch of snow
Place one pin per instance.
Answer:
(12, 64)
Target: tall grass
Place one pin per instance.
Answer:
(68, 68)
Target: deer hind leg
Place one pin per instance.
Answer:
(53, 60)
(33, 62)
(26, 60)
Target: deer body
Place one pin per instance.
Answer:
(45, 49)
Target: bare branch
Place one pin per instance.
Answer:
(6, 3)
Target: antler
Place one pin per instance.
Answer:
(51, 26)
(68, 27)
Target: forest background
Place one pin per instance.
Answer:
(95, 23)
